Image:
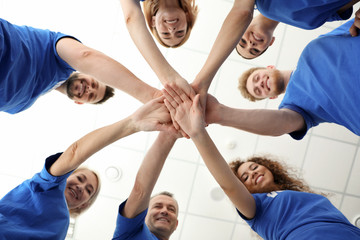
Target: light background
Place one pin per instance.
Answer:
(328, 157)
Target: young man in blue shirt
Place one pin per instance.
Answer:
(35, 61)
(323, 88)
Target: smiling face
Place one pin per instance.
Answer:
(171, 25)
(80, 187)
(161, 218)
(254, 41)
(85, 89)
(264, 83)
(256, 178)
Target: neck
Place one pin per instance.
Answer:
(161, 237)
(267, 23)
(62, 88)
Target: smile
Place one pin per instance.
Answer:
(172, 21)
(257, 38)
(259, 178)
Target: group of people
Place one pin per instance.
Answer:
(274, 203)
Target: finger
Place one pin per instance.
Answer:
(170, 99)
(172, 111)
(159, 99)
(196, 102)
(171, 91)
(179, 92)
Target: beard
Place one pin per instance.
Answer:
(70, 84)
(279, 86)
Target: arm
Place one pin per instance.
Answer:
(147, 118)
(189, 116)
(258, 121)
(143, 40)
(230, 34)
(148, 174)
(104, 69)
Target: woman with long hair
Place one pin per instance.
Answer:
(171, 22)
(40, 207)
(275, 204)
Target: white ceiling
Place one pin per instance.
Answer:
(327, 157)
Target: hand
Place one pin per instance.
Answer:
(356, 25)
(203, 95)
(186, 112)
(153, 116)
(212, 110)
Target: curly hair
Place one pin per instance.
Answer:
(151, 7)
(242, 84)
(77, 211)
(284, 176)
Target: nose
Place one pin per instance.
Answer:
(171, 29)
(164, 212)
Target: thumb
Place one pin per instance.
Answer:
(353, 30)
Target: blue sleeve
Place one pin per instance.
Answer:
(342, 30)
(309, 123)
(127, 227)
(44, 181)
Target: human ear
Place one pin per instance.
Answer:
(272, 41)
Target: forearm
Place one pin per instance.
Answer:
(148, 174)
(230, 34)
(143, 40)
(261, 121)
(222, 173)
(114, 74)
(103, 68)
(91, 143)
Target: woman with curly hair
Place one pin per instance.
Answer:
(171, 22)
(274, 203)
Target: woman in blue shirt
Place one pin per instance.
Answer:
(40, 207)
(274, 203)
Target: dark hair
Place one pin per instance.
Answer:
(283, 178)
(109, 92)
(254, 56)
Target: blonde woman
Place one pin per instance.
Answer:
(40, 207)
(171, 22)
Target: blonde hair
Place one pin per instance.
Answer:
(151, 7)
(242, 84)
(77, 211)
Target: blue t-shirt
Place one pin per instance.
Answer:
(299, 216)
(305, 14)
(132, 228)
(29, 65)
(36, 209)
(325, 85)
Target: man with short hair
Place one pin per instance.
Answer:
(141, 217)
(324, 87)
(35, 61)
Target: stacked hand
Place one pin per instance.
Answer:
(185, 111)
